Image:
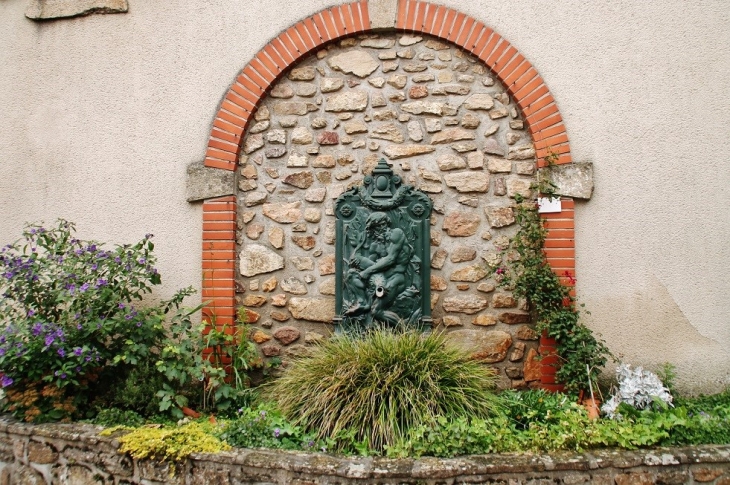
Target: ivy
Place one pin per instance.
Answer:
(529, 275)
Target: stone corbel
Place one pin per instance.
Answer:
(570, 180)
(207, 183)
(55, 9)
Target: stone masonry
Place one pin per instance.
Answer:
(76, 454)
(448, 127)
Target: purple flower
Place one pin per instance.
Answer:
(6, 381)
(276, 432)
(79, 327)
(78, 351)
(141, 261)
(101, 282)
(63, 376)
(120, 306)
(139, 324)
(94, 266)
(62, 352)
(117, 259)
(50, 339)
(84, 287)
(2, 351)
(79, 252)
(78, 369)
(91, 248)
(148, 236)
(31, 313)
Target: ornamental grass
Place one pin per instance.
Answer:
(377, 387)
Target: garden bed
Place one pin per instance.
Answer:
(75, 453)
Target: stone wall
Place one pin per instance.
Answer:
(447, 126)
(75, 454)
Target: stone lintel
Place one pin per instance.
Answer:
(571, 179)
(383, 13)
(206, 183)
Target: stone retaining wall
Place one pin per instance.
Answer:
(75, 454)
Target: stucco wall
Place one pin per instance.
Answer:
(102, 114)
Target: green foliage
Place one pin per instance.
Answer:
(170, 443)
(184, 366)
(373, 390)
(530, 276)
(116, 417)
(265, 427)
(68, 318)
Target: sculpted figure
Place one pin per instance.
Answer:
(377, 275)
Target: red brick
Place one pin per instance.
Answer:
(218, 265)
(229, 127)
(402, 14)
(562, 263)
(275, 57)
(438, 18)
(551, 141)
(226, 136)
(228, 292)
(517, 72)
(249, 85)
(510, 67)
(262, 70)
(542, 114)
(219, 311)
(221, 203)
(309, 43)
(561, 233)
(568, 203)
(220, 154)
(498, 52)
(560, 253)
(476, 34)
(236, 120)
(222, 164)
(536, 106)
(347, 18)
(559, 224)
(313, 31)
(237, 108)
(448, 21)
(489, 47)
(410, 15)
(219, 226)
(365, 14)
(504, 59)
(211, 216)
(428, 17)
(219, 235)
(531, 95)
(285, 54)
(339, 23)
(456, 28)
(269, 64)
(551, 131)
(465, 31)
(547, 122)
(329, 21)
(520, 83)
(254, 76)
(321, 27)
(420, 16)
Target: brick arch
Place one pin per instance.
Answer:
(524, 84)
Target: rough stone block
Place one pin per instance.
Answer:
(571, 179)
(206, 183)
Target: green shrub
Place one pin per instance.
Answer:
(375, 389)
(69, 321)
(265, 427)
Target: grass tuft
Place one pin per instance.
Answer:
(382, 385)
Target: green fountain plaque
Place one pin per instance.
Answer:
(382, 259)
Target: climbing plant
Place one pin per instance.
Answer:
(581, 353)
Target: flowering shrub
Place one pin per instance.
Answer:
(638, 388)
(67, 317)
